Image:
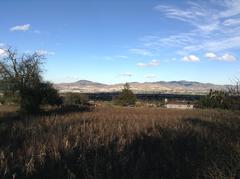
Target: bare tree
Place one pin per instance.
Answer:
(22, 70)
(22, 75)
(234, 90)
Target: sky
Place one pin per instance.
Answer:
(113, 41)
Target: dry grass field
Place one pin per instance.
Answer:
(121, 143)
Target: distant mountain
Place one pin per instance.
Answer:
(81, 82)
(86, 82)
(175, 87)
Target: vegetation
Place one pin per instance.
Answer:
(220, 99)
(21, 81)
(126, 97)
(117, 142)
(75, 99)
(228, 99)
(50, 95)
(216, 99)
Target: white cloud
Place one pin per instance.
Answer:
(223, 43)
(2, 44)
(152, 63)
(126, 74)
(195, 41)
(2, 52)
(232, 8)
(140, 64)
(44, 52)
(211, 55)
(190, 58)
(150, 76)
(142, 52)
(215, 27)
(195, 14)
(226, 57)
(25, 27)
(231, 22)
(202, 15)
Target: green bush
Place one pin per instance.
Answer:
(219, 99)
(126, 97)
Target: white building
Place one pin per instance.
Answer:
(179, 106)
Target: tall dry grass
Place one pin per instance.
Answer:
(122, 143)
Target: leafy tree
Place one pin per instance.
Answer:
(126, 97)
(20, 76)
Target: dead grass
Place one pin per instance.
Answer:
(114, 142)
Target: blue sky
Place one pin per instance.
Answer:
(113, 41)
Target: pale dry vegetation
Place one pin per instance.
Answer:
(115, 142)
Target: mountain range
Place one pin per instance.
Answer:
(168, 87)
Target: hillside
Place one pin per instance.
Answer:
(175, 87)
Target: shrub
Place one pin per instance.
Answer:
(218, 99)
(126, 97)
